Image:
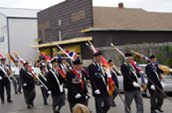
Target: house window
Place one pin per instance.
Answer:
(2, 39)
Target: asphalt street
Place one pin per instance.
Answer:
(19, 106)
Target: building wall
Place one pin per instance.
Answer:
(22, 33)
(3, 35)
(75, 15)
(103, 38)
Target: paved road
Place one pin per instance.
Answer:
(18, 106)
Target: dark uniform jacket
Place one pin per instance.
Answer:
(53, 85)
(27, 78)
(4, 80)
(98, 80)
(115, 78)
(75, 86)
(129, 76)
(153, 74)
(43, 78)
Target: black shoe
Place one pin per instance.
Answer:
(113, 104)
(29, 106)
(9, 101)
(153, 112)
(45, 103)
(160, 110)
(3, 102)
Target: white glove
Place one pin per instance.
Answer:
(49, 92)
(0, 78)
(136, 85)
(78, 96)
(86, 97)
(24, 84)
(41, 85)
(97, 92)
(152, 87)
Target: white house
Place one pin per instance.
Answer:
(18, 30)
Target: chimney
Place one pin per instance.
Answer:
(121, 5)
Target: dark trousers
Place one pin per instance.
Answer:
(58, 102)
(44, 94)
(71, 105)
(102, 104)
(17, 84)
(133, 95)
(156, 99)
(29, 96)
(6, 86)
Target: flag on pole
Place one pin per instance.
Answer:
(20, 59)
(11, 58)
(72, 54)
(47, 58)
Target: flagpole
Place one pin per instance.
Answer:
(64, 52)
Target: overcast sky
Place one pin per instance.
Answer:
(150, 5)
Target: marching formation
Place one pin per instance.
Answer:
(67, 78)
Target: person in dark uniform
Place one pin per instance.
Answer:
(98, 79)
(44, 87)
(131, 85)
(16, 81)
(28, 84)
(56, 79)
(154, 85)
(77, 90)
(5, 82)
(115, 72)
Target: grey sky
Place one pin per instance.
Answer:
(150, 5)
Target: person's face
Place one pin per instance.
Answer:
(98, 59)
(154, 60)
(55, 64)
(111, 63)
(129, 59)
(16, 63)
(37, 64)
(64, 61)
(3, 61)
(78, 66)
(27, 66)
(44, 69)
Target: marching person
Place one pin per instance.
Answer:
(44, 87)
(63, 64)
(154, 85)
(28, 84)
(131, 85)
(77, 90)
(114, 73)
(5, 81)
(56, 78)
(98, 79)
(17, 81)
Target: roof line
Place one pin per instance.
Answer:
(107, 29)
(68, 41)
(133, 9)
(13, 17)
(18, 8)
(3, 14)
